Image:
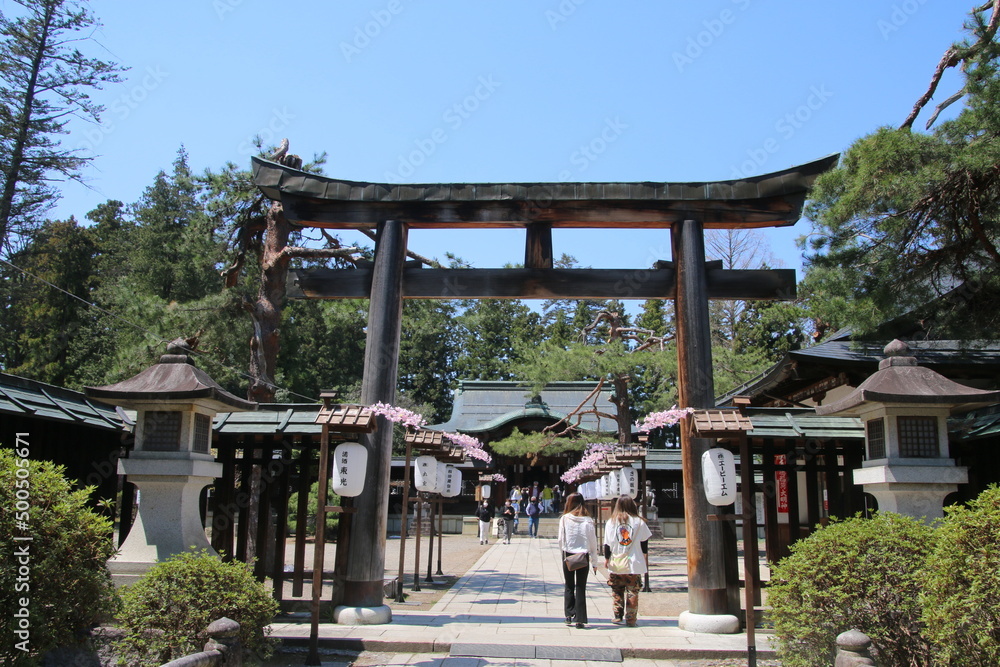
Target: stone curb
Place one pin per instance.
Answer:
(390, 646)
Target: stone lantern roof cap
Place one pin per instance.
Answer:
(173, 378)
(900, 380)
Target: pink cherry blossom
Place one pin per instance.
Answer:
(464, 440)
(398, 415)
(472, 446)
(669, 417)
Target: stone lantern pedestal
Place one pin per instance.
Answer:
(172, 461)
(905, 408)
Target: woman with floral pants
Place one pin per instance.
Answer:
(626, 542)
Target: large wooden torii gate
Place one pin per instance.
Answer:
(685, 209)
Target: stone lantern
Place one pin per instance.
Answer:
(171, 462)
(905, 409)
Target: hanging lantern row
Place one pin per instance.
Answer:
(433, 476)
(624, 482)
(601, 459)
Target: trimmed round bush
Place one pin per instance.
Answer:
(858, 573)
(166, 612)
(60, 573)
(961, 597)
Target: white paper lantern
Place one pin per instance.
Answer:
(453, 482)
(608, 487)
(425, 470)
(588, 490)
(718, 473)
(614, 484)
(350, 459)
(442, 478)
(628, 480)
(486, 491)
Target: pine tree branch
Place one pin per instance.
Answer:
(952, 57)
(409, 253)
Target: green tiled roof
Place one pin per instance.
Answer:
(292, 418)
(482, 405)
(801, 423)
(30, 398)
(976, 424)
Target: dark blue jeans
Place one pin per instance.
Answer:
(533, 525)
(575, 593)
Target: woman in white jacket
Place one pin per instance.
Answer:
(626, 538)
(576, 535)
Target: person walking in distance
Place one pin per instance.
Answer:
(546, 499)
(508, 514)
(626, 556)
(485, 515)
(515, 495)
(533, 509)
(577, 535)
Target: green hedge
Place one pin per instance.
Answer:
(332, 518)
(961, 596)
(167, 610)
(925, 595)
(858, 573)
(60, 572)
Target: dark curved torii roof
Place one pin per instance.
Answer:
(770, 200)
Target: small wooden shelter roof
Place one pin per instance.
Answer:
(769, 200)
(719, 423)
(346, 418)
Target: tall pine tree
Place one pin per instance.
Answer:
(44, 81)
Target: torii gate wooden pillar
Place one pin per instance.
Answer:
(712, 593)
(363, 585)
(684, 208)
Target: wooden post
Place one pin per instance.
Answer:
(366, 559)
(416, 540)
(430, 542)
(538, 246)
(318, 546)
(751, 573)
(642, 490)
(440, 534)
(402, 522)
(708, 586)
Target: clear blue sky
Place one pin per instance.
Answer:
(548, 90)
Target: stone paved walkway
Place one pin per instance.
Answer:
(509, 607)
